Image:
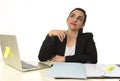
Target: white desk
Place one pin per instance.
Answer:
(10, 74)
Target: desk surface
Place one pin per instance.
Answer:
(10, 74)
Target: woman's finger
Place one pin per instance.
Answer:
(61, 36)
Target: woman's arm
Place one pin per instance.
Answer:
(47, 49)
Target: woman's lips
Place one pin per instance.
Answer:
(73, 24)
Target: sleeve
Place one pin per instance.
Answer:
(47, 49)
(89, 52)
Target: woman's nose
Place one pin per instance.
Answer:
(75, 19)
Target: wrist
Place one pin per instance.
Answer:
(50, 34)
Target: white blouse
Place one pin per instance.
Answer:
(70, 51)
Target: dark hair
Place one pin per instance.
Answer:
(84, 12)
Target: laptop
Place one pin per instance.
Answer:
(11, 56)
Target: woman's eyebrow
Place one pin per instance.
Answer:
(80, 17)
(72, 14)
(75, 14)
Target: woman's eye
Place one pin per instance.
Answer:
(80, 18)
(72, 16)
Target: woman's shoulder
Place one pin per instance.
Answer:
(88, 35)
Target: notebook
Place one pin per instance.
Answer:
(67, 70)
(11, 56)
(102, 70)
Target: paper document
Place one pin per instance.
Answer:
(102, 70)
(67, 70)
(83, 71)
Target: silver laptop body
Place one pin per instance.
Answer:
(11, 56)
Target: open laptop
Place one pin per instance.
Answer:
(10, 53)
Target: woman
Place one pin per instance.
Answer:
(72, 45)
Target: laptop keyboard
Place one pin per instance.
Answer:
(27, 66)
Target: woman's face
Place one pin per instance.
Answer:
(75, 20)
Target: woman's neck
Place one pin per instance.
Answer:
(72, 34)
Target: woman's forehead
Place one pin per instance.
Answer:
(78, 12)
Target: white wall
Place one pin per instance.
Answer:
(31, 20)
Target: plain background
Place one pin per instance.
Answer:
(31, 20)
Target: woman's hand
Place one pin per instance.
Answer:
(60, 33)
(58, 58)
